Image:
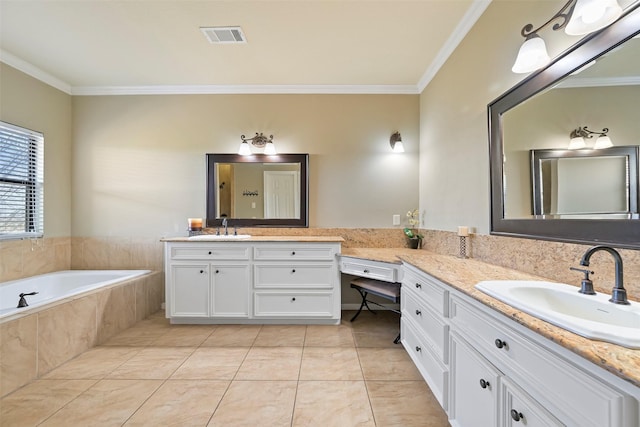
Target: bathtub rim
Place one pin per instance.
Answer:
(87, 293)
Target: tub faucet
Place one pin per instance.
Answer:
(618, 293)
(23, 302)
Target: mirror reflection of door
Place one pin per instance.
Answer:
(281, 194)
(225, 191)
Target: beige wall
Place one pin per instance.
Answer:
(139, 164)
(27, 102)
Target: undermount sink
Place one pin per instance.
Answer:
(591, 316)
(220, 237)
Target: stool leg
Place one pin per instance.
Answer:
(362, 304)
(397, 340)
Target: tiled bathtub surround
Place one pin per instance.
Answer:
(33, 345)
(98, 253)
(24, 258)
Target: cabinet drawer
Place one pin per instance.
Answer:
(372, 270)
(426, 289)
(428, 323)
(207, 252)
(294, 276)
(293, 304)
(435, 373)
(552, 381)
(295, 252)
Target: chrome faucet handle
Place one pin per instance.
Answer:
(217, 231)
(235, 230)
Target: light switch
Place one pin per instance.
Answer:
(253, 205)
(396, 220)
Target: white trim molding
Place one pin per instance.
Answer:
(33, 71)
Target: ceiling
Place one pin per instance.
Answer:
(301, 46)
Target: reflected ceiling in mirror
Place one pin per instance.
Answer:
(257, 190)
(596, 83)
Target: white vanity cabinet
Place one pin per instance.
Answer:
(424, 329)
(495, 372)
(252, 282)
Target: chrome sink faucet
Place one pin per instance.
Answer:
(618, 293)
(225, 223)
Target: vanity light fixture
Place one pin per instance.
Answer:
(260, 141)
(577, 17)
(578, 136)
(396, 143)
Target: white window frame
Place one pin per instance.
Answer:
(21, 182)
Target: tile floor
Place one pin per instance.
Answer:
(157, 374)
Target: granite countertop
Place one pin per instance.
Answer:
(301, 239)
(463, 274)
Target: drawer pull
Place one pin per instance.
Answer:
(366, 271)
(418, 313)
(516, 416)
(209, 252)
(484, 383)
(293, 299)
(418, 348)
(418, 285)
(500, 343)
(293, 253)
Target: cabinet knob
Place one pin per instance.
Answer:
(418, 285)
(293, 271)
(366, 271)
(500, 343)
(217, 271)
(201, 271)
(293, 253)
(209, 252)
(293, 299)
(418, 348)
(484, 383)
(516, 416)
(418, 313)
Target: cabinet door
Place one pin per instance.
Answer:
(474, 387)
(520, 409)
(230, 286)
(189, 290)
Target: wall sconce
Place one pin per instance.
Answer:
(578, 135)
(396, 143)
(260, 141)
(577, 17)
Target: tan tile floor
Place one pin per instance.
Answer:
(157, 374)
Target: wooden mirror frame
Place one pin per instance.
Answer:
(615, 232)
(212, 185)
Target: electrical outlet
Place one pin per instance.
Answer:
(396, 220)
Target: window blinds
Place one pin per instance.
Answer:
(21, 182)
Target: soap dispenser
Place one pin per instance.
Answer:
(586, 286)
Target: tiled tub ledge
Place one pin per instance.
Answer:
(34, 344)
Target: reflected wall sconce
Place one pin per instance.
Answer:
(260, 141)
(396, 143)
(577, 17)
(578, 138)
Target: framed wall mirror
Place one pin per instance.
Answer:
(595, 83)
(258, 190)
(585, 184)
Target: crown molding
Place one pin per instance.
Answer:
(469, 19)
(245, 89)
(33, 71)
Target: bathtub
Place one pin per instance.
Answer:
(53, 287)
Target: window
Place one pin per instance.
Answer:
(21, 182)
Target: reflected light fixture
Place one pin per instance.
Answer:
(396, 143)
(577, 17)
(578, 138)
(260, 141)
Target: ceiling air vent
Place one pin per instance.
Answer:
(224, 34)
